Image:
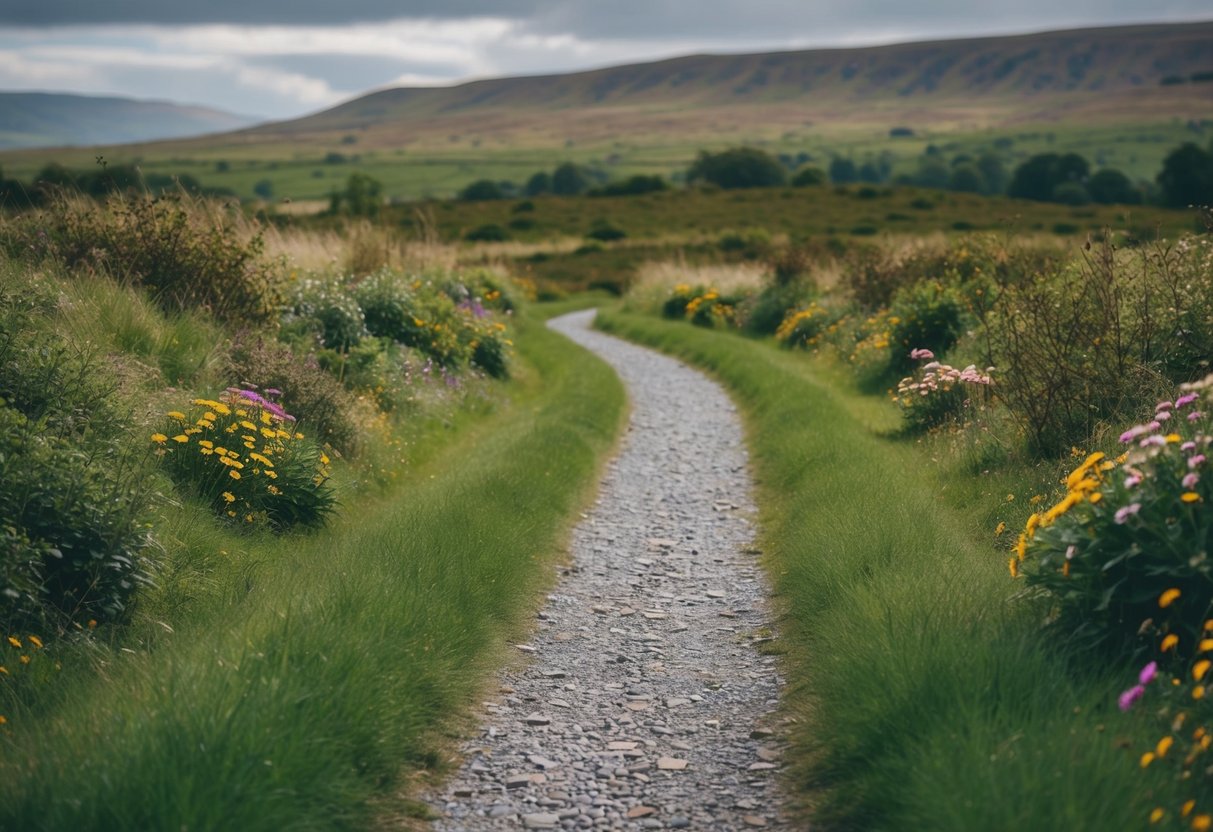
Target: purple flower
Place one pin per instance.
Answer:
(1188, 446)
(1185, 400)
(1152, 440)
(1194, 415)
(1163, 416)
(1125, 512)
(1130, 696)
(1148, 673)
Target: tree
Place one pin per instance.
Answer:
(540, 183)
(738, 167)
(932, 173)
(1070, 193)
(264, 189)
(569, 180)
(362, 196)
(1110, 186)
(843, 171)
(1039, 176)
(967, 179)
(993, 172)
(1187, 177)
(481, 189)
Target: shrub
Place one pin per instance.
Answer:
(804, 327)
(186, 253)
(739, 167)
(319, 402)
(711, 310)
(675, 306)
(926, 315)
(762, 313)
(489, 233)
(941, 394)
(1124, 557)
(321, 306)
(606, 232)
(242, 455)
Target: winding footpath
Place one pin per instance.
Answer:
(646, 702)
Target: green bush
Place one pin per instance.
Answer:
(324, 308)
(188, 254)
(322, 406)
(1124, 558)
(803, 327)
(675, 306)
(925, 315)
(762, 313)
(242, 455)
(939, 394)
(489, 233)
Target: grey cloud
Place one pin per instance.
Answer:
(351, 73)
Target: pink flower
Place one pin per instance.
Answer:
(1185, 400)
(1130, 696)
(1194, 415)
(1125, 512)
(1162, 406)
(1163, 416)
(1148, 673)
(1188, 446)
(1152, 440)
(1190, 480)
(919, 354)
(1196, 460)
(1132, 481)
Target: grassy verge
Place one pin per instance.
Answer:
(921, 694)
(305, 687)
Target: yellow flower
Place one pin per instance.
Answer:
(182, 438)
(206, 403)
(1157, 815)
(1002, 527)
(1189, 496)
(1170, 641)
(247, 425)
(37, 642)
(324, 460)
(222, 409)
(1164, 745)
(1198, 692)
(234, 474)
(191, 431)
(16, 642)
(25, 660)
(1146, 759)
(262, 459)
(1013, 565)
(1167, 598)
(3, 670)
(1200, 669)
(92, 623)
(1206, 644)
(1187, 808)
(1033, 524)
(229, 496)
(1096, 497)
(268, 434)
(3, 720)
(206, 443)
(159, 438)
(1201, 823)
(1021, 547)
(272, 474)
(1173, 438)
(175, 414)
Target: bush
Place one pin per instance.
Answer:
(314, 397)
(925, 315)
(243, 456)
(606, 232)
(489, 233)
(321, 306)
(185, 253)
(762, 313)
(481, 190)
(675, 306)
(1124, 557)
(739, 167)
(940, 394)
(804, 327)
(807, 177)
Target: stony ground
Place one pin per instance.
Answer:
(645, 701)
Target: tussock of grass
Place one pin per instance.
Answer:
(306, 685)
(923, 695)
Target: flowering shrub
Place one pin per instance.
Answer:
(320, 306)
(803, 327)
(710, 309)
(941, 393)
(929, 316)
(243, 456)
(1126, 552)
(675, 305)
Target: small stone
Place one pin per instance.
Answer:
(559, 703)
(754, 820)
(517, 781)
(637, 706)
(541, 820)
(662, 543)
(654, 616)
(768, 755)
(525, 648)
(761, 733)
(762, 766)
(671, 764)
(505, 689)
(641, 811)
(627, 611)
(714, 593)
(676, 701)
(537, 719)
(621, 745)
(727, 614)
(543, 762)
(554, 673)
(679, 822)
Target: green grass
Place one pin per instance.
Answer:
(302, 687)
(922, 694)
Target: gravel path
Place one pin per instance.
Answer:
(646, 701)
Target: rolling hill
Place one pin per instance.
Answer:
(36, 119)
(1121, 95)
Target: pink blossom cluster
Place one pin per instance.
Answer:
(937, 376)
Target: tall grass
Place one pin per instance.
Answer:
(312, 682)
(921, 692)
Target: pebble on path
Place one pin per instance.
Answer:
(646, 702)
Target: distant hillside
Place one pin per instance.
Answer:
(38, 119)
(1146, 70)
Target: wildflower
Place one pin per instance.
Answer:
(175, 414)
(1167, 598)
(1146, 759)
(1189, 497)
(159, 438)
(1168, 642)
(229, 496)
(1206, 644)
(919, 354)
(1002, 527)
(1164, 745)
(3, 721)
(1200, 669)
(1187, 808)
(234, 474)
(1201, 823)
(1196, 460)
(1127, 699)
(1194, 415)
(37, 642)
(1148, 673)
(1198, 692)
(1185, 400)
(92, 623)
(25, 660)
(16, 642)
(1190, 480)
(1132, 481)
(1125, 512)
(182, 438)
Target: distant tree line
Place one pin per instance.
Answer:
(97, 183)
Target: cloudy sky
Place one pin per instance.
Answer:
(281, 58)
